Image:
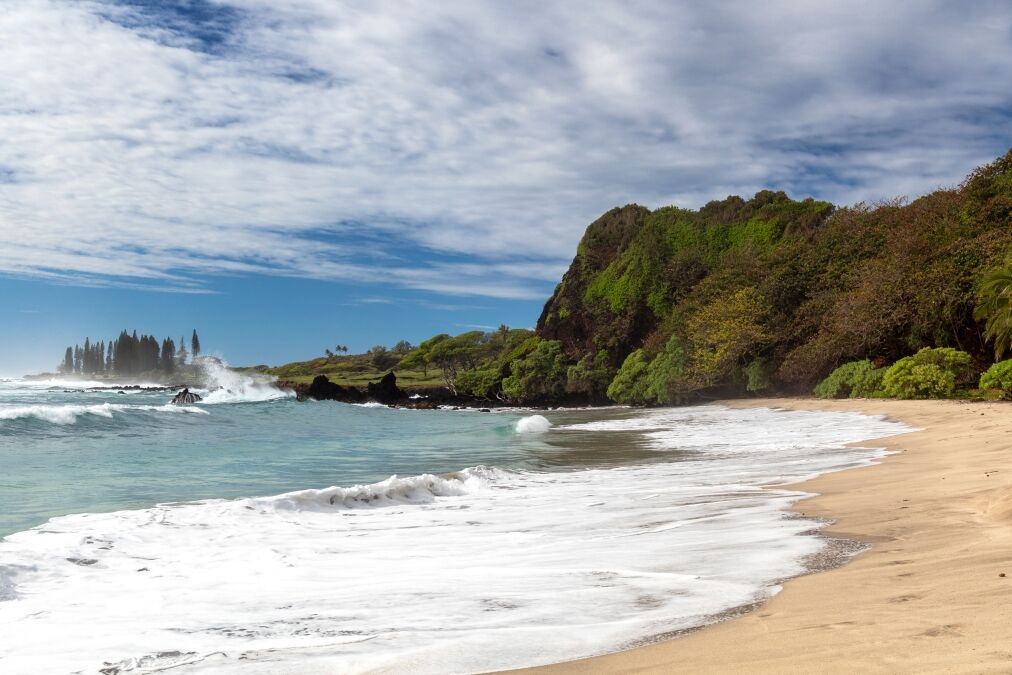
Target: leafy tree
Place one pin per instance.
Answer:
(591, 376)
(402, 348)
(454, 354)
(666, 380)
(539, 375)
(630, 384)
(480, 382)
(994, 308)
(420, 356)
(724, 334)
(998, 377)
(381, 358)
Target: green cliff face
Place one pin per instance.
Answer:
(774, 293)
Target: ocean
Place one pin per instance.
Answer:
(252, 533)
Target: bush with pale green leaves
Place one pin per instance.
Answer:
(930, 373)
(998, 377)
(857, 379)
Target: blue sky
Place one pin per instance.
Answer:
(287, 174)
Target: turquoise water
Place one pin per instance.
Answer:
(66, 450)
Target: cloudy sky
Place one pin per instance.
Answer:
(285, 174)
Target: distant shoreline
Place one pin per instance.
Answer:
(929, 595)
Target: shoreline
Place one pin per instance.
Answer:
(925, 596)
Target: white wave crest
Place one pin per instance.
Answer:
(534, 424)
(69, 414)
(224, 385)
(422, 489)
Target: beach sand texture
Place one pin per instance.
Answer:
(927, 597)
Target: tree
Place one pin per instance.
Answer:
(453, 354)
(195, 344)
(68, 361)
(402, 347)
(181, 353)
(994, 308)
(724, 334)
(341, 348)
(168, 361)
(381, 358)
(630, 384)
(540, 375)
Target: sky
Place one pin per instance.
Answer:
(287, 175)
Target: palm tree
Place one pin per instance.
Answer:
(994, 308)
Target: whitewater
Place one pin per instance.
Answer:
(252, 533)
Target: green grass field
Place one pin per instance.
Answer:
(354, 370)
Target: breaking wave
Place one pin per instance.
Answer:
(222, 385)
(69, 414)
(534, 424)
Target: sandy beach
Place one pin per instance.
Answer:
(933, 593)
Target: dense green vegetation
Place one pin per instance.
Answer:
(773, 294)
(766, 295)
(857, 379)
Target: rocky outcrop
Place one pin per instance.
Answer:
(185, 397)
(322, 389)
(385, 391)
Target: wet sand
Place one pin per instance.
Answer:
(932, 593)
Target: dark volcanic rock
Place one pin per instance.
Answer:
(323, 389)
(185, 397)
(386, 390)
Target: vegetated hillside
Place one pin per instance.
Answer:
(772, 293)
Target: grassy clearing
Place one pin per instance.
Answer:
(352, 370)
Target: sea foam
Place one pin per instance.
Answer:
(69, 414)
(476, 570)
(223, 385)
(533, 424)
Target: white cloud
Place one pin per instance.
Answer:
(383, 141)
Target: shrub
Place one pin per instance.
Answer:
(630, 385)
(480, 382)
(854, 379)
(590, 376)
(665, 376)
(930, 373)
(757, 377)
(998, 376)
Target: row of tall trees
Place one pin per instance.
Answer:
(128, 354)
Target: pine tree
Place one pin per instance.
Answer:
(195, 344)
(168, 361)
(68, 361)
(181, 352)
(110, 365)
